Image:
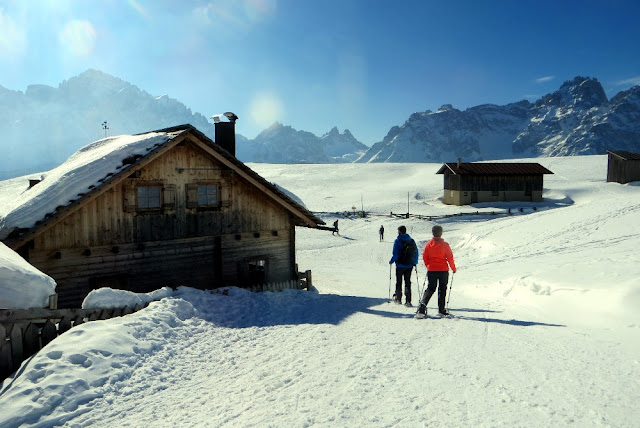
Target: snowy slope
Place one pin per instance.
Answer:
(546, 331)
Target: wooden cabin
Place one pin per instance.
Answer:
(181, 211)
(470, 183)
(623, 167)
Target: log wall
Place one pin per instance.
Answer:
(108, 242)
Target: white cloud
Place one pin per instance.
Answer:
(13, 41)
(240, 13)
(632, 81)
(545, 79)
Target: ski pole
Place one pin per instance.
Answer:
(417, 279)
(389, 284)
(450, 288)
(421, 290)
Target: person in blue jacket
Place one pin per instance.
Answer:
(405, 256)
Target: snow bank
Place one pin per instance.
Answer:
(21, 285)
(111, 298)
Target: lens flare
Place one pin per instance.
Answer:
(78, 37)
(138, 7)
(265, 109)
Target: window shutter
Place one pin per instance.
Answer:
(169, 197)
(129, 199)
(225, 195)
(191, 190)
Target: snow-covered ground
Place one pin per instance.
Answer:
(546, 328)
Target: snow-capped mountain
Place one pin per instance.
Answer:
(45, 125)
(283, 144)
(578, 119)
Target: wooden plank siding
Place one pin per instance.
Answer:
(470, 189)
(106, 243)
(622, 170)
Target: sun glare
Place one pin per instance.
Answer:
(265, 109)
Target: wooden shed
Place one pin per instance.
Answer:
(623, 167)
(469, 183)
(178, 210)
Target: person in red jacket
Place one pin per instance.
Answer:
(438, 257)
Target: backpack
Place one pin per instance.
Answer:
(408, 253)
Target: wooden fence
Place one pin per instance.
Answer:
(303, 282)
(23, 332)
(363, 214)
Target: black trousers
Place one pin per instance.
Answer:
(438, 279)
(406, 274)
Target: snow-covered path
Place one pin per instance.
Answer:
(545, 334)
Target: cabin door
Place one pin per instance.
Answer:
(474, 197)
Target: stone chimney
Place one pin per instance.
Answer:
(225, 131)
(459, 162)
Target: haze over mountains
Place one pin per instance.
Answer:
(44, 125)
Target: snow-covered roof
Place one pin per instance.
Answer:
(23, 207)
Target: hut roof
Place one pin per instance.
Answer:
(105, 162)
(511, 168)
(625, 155)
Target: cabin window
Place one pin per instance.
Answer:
(204, 196)
(257, 271)
(207, 195)
(149, 197)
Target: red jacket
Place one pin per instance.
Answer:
(437, 256)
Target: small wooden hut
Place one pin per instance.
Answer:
(178, 210)
(623, 166)
(469, 183)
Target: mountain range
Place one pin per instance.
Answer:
(577, 119)
(41, 127)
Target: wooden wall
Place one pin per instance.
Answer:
(468, 189)
(621, 170)
(107, 243)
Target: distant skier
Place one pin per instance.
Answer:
(438, 257)
(405, 256)
(381, 231)
(335, 228)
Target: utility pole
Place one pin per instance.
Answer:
(407, 204)
(105, 126)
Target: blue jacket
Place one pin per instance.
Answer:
(397, 248)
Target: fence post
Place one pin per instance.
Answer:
(31, 340)
(17, 351)
(5, 353)
(64, 325)
(49, 333)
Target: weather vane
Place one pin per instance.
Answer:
(105, 126)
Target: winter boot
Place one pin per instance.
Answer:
(422, 311)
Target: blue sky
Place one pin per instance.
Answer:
(363, 65)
